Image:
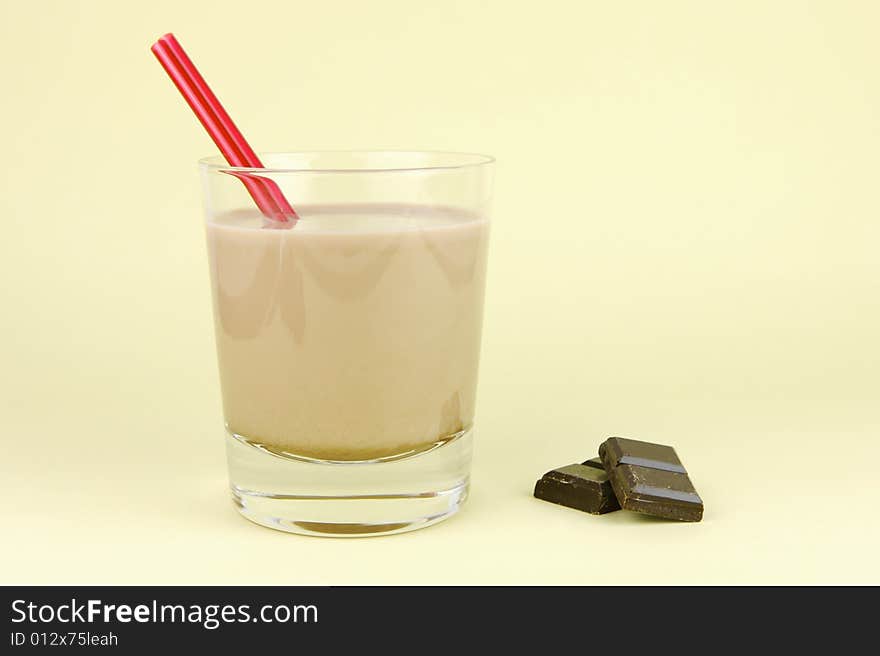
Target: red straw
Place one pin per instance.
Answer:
(223, 131)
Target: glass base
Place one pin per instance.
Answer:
(356, 499)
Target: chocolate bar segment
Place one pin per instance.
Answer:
(649, 478)
(581, 486)
(623, 451)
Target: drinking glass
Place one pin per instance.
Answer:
(348, 339)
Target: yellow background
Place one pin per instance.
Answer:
(685, 250)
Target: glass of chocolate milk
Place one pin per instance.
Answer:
(348, 340)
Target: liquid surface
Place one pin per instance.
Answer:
(353, 335)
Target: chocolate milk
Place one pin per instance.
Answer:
(353, 335)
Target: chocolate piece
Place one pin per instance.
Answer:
(581, 486)
(623, 451)
(649, 478)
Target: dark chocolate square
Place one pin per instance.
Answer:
(624, 451)
(649, 478)
(581, 486)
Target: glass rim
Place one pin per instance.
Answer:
(467, 160)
